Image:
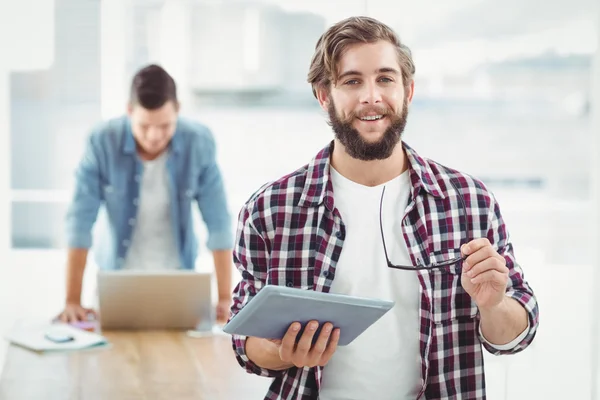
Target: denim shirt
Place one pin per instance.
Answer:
(110, 173)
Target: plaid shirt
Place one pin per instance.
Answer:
(290, 233)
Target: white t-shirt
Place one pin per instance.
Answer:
(153, 244)
(384, 362)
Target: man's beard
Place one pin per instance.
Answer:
(356, 146)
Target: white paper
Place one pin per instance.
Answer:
(32, 336)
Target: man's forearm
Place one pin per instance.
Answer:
(76, 260)
(265, 354)
(503, 323)
(223, 268)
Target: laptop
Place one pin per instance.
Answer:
(157, 300)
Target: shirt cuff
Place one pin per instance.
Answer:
(507, 346)
(220, 240)
(79, 239)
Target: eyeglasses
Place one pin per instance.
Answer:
(443, 264)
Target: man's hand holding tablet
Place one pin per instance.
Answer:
(293, 352)
(287, 327)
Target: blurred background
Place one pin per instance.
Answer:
(503, 91)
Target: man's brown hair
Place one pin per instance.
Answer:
(336, 40)
(152, 87)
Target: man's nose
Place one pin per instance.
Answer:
(371, 93)
(153, 133)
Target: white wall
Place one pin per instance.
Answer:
(26, 40)
(221, 60)
(5, 224)
(113, 86)
(595, 317)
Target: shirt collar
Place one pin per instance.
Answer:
(318, 188)
(421, 174)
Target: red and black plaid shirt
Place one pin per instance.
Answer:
(290, 233)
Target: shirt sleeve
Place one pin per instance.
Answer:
(212, 199)
(87, 198)
(250, 255)
(517, 287)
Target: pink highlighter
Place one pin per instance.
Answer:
(89, 326)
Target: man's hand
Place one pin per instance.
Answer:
(304, 353)
(484, 273)
(75, 313)
(289, 352)
(223, 309)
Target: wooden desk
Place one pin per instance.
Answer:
(139, 365)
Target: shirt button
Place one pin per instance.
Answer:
(131, 221)
(339, 234)
(109, 189)
(325, 274)
(289, 284)
(189, 193)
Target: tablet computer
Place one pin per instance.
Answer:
(274, 308)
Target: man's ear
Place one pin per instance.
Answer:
(129, 108)
(410, 91)
(323, 95)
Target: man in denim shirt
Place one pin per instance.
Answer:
(147, 168)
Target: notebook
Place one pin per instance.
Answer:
(53, 337)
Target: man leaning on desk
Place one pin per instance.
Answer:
(147, 168)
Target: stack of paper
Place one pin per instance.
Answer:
(37, 337)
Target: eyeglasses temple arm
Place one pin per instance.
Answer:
(466, 216)
(381, 226)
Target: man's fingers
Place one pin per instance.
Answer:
(480, 255)
(331, 347)
(288, 343)
(81, 314)
(474, 245)
(491, 276)
(321, 344)
(304, 353)
(71, 316)
(489, 264)
(306, 341)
